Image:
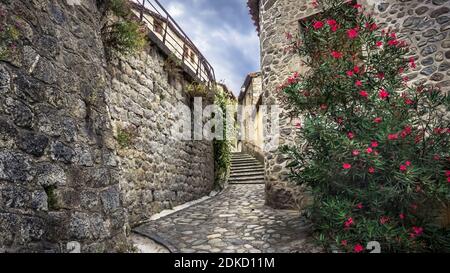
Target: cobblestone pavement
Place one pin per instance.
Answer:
(236, 221)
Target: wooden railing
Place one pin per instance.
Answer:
(168, 34)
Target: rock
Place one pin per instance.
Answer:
(421, 10)
(429, 50)
(427, 61)
(382, 7)
(110, 199)
(444, 66)
(439, 2)
(437, 77)
(50, 175)
(34, 144)
(15, 167)
(443, 19)
(61, 152)
(5, 80)
(437, 38)
(446, 44)
(439, 12)
(428, 70)
(447, 55)
(21, 114)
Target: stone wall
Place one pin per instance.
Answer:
(159, 171)
(425, 25)
(63, 175)
(57, 177)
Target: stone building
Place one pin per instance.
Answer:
(250, 100)
(425, 24)
(86, 150)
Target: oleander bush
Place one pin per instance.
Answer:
(372, 147)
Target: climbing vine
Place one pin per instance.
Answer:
(222, 148)
(122, 32)
(377, 147)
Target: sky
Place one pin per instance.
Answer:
(224, 32)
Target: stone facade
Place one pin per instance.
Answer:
(276, 18)
(64, 176)
(425, 24)
(250, 99)
(57, 177)
(159, 171)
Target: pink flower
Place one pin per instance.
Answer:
(358, 83)
(357, 6)
(417, 230)
(371, 170)
(360, 206)
(334, 28)
(374, 144)
(369, 150)
(358, 248)
(408, 101)
(383, 94)
(393, 136)
(352, 33)
(378, 120)
(331, 22)
(401, 216)
(350, 135)
(350, 73)
(363, 94)
(356, 69)
(384, 220)
(318, 25)
(346, 166)
(348, 223)
(298, 125)
(403, 168)
(447, 173)
(380, 75)
(379, 44)
(412, 62)
(355, 153)
(336, 54)
(393, 42)
(408, 163)
(344, 242)
(448, 179)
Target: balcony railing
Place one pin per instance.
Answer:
(169, 36)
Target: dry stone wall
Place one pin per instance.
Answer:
(159, 170)
(57, 177)
(64, 176)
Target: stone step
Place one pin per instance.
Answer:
(252, 162)
(248, 170)
(244, 175)
(248, 178)
(244, 160)
(245, 172)
(232, 182)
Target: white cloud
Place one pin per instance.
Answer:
(218, 42)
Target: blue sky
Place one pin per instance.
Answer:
(224, 32)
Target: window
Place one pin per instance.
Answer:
(192, 56)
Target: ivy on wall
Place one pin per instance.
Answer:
(222, 148)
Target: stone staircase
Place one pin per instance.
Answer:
(245, 169)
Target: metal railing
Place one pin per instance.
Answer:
(170, 35)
